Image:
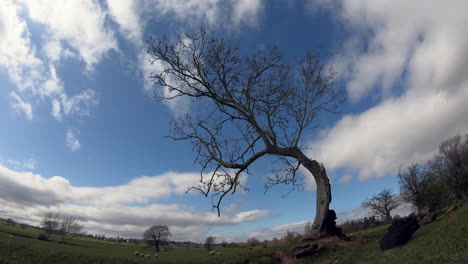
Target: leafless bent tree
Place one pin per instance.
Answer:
(382, 204)
(253, 106)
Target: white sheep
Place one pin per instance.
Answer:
(136, 253)
(156, 255)
(147, 256)
(219, 253)
(212, 253)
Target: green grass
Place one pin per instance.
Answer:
(444, 241)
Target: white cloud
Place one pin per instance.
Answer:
(26, 196)
(54, 51)
(71, 140)
(16, 50)
(29, 73)
(126, 14)
(51, 87)
(22, 106)
(80, 23)
(246, 11)
(414, 62)
(79, 104)
(56, 110)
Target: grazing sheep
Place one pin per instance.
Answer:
(212, 253)
(156, 256)
(142, 254)
(147, 256)
(136, 254)
(219, 253)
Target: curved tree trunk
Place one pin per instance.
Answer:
(323, 192)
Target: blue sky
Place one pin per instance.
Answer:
(81, 135)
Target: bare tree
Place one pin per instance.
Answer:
(421, 187)
(10, 221)
(382, 204)
(291, 237)
(50, 222)
(209, 242)
(224, 243)
(451, 165)
(253, 106)
(253, 242)
(69, 225)
(157, 236)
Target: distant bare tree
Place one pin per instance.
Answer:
(224, 243)
(382, 204)
(254, 106)
(253, 242)
(156, 236)
(69, 225)
(50, 222)
(290, 237)
(209, 242)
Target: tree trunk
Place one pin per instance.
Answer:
(323, 192)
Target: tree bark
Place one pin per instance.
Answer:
(323, 187)
(323, 192)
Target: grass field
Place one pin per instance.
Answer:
(444, 241)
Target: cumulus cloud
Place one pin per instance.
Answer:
(71, 140)
(107, 210)
(80, 23)
(413, 63)
(17, 54)
(32, 75)
(127, 15)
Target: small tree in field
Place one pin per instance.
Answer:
(254, 106)
(224, 244)
(253, 242)
(70, 226)
(382, 204)
(11, 221)
(50, 222)
(290, 237)
(209, 242)
(156, 236)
